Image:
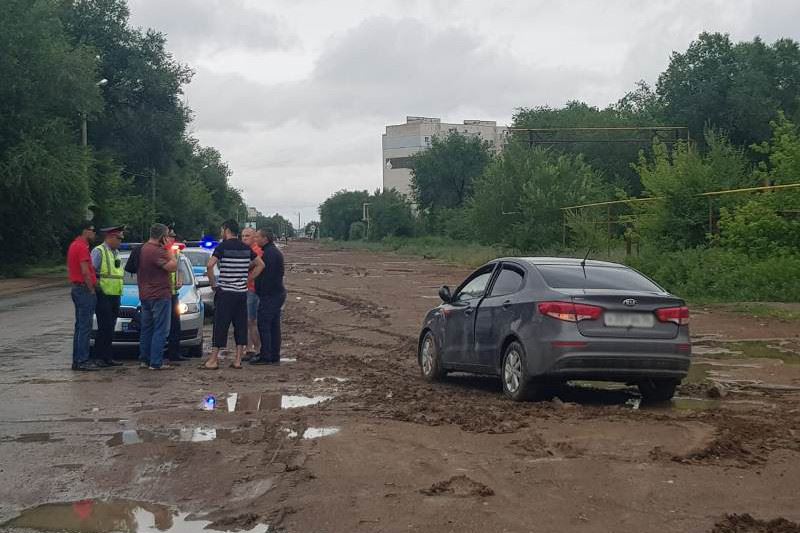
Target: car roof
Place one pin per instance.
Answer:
(561, 261)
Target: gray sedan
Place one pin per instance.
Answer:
(539, 321)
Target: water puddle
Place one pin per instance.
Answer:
(786, 350)
(195, 434)
(292, 402)
(116, 516)
(680, 403)
(250, 402)
(331, 378)
(31, 437)
(313, 433)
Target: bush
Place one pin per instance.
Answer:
(358, 231)
(723, 275)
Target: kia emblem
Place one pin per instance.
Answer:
(630, 302)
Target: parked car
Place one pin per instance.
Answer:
(191, 308)
(540, 321)
(199, 257)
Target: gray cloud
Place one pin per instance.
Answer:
(386, 69)
(196, 27)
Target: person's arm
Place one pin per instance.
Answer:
(97, 259)
(168, 261)
(87, 275)
(256, 268)
(212, 280)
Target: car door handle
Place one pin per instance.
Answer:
(468, 311)
(507, 304)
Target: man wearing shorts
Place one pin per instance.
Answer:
(237, 262)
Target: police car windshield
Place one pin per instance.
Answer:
(183, 272)
(197, 257)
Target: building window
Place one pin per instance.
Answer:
(427, 141)
(399, 162)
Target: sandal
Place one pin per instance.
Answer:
(237, 367)
(204, 367)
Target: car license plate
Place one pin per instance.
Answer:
(126, 327)
(629, 320)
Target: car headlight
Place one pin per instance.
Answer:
(188, 308)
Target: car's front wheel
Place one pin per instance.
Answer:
(429, 361)
(517, 384)
(657, 390)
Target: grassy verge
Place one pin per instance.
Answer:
(702, 276)
(766, 310)
(456, 252)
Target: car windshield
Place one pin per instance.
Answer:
(197, 257)
(183, 271)
(597, 277)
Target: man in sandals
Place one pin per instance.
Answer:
(237, 264)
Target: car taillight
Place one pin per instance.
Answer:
(570, 312)
(677, 315)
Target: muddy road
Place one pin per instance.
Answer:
(344, 436)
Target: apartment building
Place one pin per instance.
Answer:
(401, 141)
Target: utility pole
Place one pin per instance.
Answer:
(366, 216)
(153, 192)
(299, 228)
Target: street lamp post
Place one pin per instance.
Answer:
(84, 132)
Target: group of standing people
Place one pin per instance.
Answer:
(248, 294)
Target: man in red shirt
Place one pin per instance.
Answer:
(83, 279)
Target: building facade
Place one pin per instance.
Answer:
(401, 141)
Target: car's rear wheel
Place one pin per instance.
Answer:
(517, 384)
(429, 360)
(657, 390)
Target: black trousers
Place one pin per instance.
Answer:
(229, 308)
(269, 326)
(173, 350)
(107, 311)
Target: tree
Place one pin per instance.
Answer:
(44, 173)
(605, 150)
(681, 218)
(390, 215)
(736, 88)
(281, 226)
(442, 175)
(518, 201)
(339, 211)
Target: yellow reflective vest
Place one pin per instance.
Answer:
(109, 279)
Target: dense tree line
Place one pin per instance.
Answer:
(140, 164)
(738, 105)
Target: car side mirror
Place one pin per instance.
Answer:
(444, 294)
(203, 283)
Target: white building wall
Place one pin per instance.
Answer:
(404, 140)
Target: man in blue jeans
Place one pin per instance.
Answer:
(155, 294)
(83, 279)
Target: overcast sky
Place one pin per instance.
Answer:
(296, 93)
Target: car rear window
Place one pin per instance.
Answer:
(597, 277)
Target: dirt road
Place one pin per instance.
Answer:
(344, 436)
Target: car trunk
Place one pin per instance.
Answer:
(626, 314)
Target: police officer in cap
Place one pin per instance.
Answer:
(107, 264)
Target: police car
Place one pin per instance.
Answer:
(198, 253)
(191, 307)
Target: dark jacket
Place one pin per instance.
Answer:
(270, 281)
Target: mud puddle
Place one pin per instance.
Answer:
(787, 351)
(249, 402)
(116, 516)
(196, 434)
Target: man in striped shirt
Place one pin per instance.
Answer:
(237, 263)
